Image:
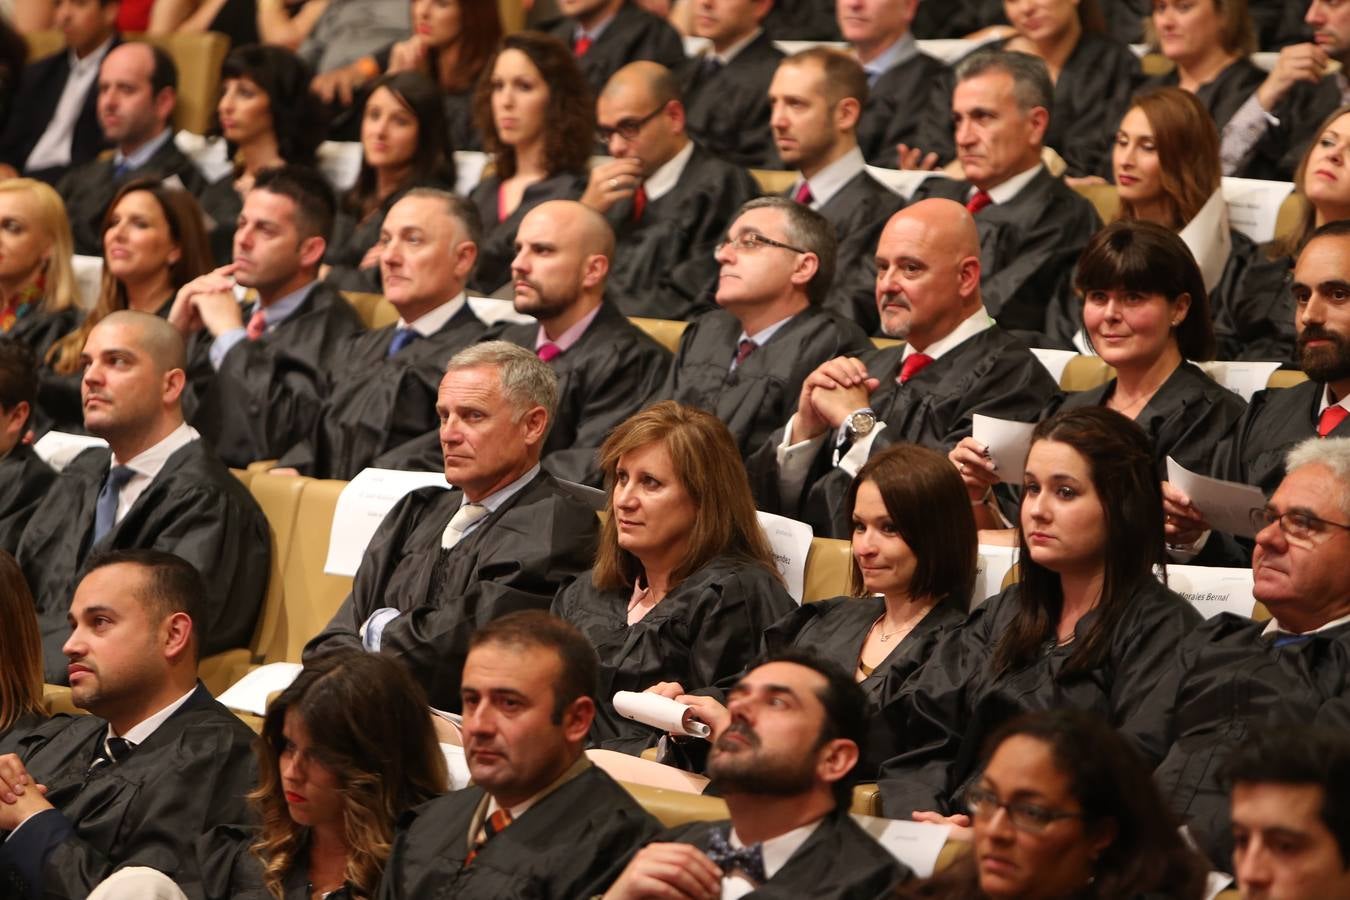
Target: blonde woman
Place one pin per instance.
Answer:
(38, 299)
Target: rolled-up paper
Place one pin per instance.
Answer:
(659, 712)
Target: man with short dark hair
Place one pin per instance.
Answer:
(606, 35)
(1291, 827)
(156, 764)
(24, 478)
(137, 94)
(783, 753)
(256, 389)
(540, 820)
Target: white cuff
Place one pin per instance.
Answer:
(794, 463)
(853, 460)
(373, 629)
(1184, 553)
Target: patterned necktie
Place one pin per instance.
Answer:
(257, 323)
(402, 338)
(749, 860)
(112, 751)
(581, 45)
(105, 510)
(639, 203)
(744, 349)
(460, 522)
(491, 828)
(1332, 416)
(548, 351)
(978, 201)
(804, 195)
(913, 365)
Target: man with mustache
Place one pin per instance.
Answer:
(956, 362)
(783, 753)
(157, 484)
(607, 368)
(540, 820)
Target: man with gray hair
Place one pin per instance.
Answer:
(1233, 676)
(379, 406)
(745, 362)
(443, 563)
(1032, 226)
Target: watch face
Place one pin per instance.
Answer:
(860, 423)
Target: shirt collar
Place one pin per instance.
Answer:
(1326, 401)
(430, 323)
(150, 461)
(569, 337)
(977, 323)
(903, 50)
(829, 180)
(593, 33)
(94, 59)
(494, 501)
(1003, 193)
(284, 307)
(141, 731)
(664, 179)
(762, 336)
(1274, 627)
(735, 49)
(141, 155)
(778, 850)
(581, 765)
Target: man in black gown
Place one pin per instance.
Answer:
(137, 93)
(540, 820)
(667, 198)
(817, 97)
(607, 368)
(256, 390)
(381, 403)
(746, 361)
(607, 35)
(1032, 226)
(444, 563)
(726, 87)
(1232, 675)
(24, 478)
(157, 763)
(783, 753)
(957, 362)
(157, 484)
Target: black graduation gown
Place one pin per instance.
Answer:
(267, 394)
(1227, 681)
(727, 111)
(990, 373)
(222, 205)
(24, 481)
(706, 629)
(802, 20)
(194, 508)
(911, 104)
(190, 775)
(1276, 156)
(38, 330)
(947, 710)
(515, 559)
(230, 870)
(858, 212)
(664, 263)
(1258, 321)
(1125, 19)
(613, 371)
(760, 395)
(632, 34)
(1028, 246)
(1275, 420)
(498, 246)
(956, 18)
(557, 847)
(21, 728)
(381, 407)
(89, 189)
(1225, 93)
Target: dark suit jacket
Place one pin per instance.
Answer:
(632, 34)
(1279, 151)
(1223, 95)
(858, 212)
(24, 481)
(728, 112)
(911, 104)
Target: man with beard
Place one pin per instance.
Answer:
(607, 368)
(783, 752)
(1277, 419)
(540, 820)
(956, 362)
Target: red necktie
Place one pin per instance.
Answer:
(639, 203)
(979, 201)
(257, 324)
(548, 351)
(1332, 416)
(581, 45)
(913, 364)
(803, 195)
(744, 349)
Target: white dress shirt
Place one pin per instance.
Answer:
(664, 179)
(831, 179)
(147, 465)
(434, 321)
(776, 851)
(53, 148)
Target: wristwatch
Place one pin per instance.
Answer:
(860, 423)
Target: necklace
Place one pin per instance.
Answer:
(884, 636)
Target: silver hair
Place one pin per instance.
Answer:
(526, 380)
(457, 208)
(807, 229)
(1032, 86)
(1334, 453)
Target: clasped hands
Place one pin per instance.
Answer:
(208, 302)
(20, 795)
(833, 392)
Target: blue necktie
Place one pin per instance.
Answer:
(1287, 640)
(105, 511)
(402, 338)
(749, 860)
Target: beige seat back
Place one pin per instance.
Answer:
(279, 497)
(312, 597)
(828, 566)
(665, 332)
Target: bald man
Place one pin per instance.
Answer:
(956, 362)
(668, 199)
(156, 485)
(607, 368)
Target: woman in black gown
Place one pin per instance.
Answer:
(1209, 42)
(21, 704)
(38, 294)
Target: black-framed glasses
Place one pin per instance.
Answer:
(1296, 525)
(752, 241)
(626, 128)
(1024, 816)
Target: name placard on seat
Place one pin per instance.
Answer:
(364, 503)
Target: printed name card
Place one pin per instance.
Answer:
(362, 506)
(791, 543)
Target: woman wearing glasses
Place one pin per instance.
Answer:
(1087, 626)
(1064, 808)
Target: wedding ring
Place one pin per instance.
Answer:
(613, 183)
(963, 468)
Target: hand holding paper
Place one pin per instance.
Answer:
(659, 712)
(1008, 444)
(1226, 505)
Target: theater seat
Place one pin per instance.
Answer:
(1285, 378)
(1290, 216)
(1103, 197)
(828, 566)
(513, 15)
(1155, 64)
(772, 181)
(364, 304)
(866, 799)
(279, 498)
(312, 597)
(1083, 373)
(665, 332)
(244, 476)
(1260, 613)
(56, 697)
(881, 343)
(672, 808)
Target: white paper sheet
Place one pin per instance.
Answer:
(209, 155)
(492, 310)
(790, 47)
(1225, 504)
(1213, 589)
(658, 712)
(88, 278)
(469, 165)
(791, 543)
(991, 567)
(1209, 239)
(916, 844)
(903, 181)
(1254, 205)
(1008, 443)
(949, 50)
(694, 45)
(363, 504)
(250, 693)
(1055, 361)
(1216, 883)
(57, 448)
(1239, 376)
(340, 162)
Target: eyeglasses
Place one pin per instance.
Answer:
(1024, 816)
(1297, 526)
(751, 241)
(626, 128)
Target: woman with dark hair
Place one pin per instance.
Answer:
(536, 117)
(21, 704)
(1209, 42)
(1087, 626)
(684, 581)
(1064, 808)
(403, 147)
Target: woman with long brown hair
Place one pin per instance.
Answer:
(21, 704)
